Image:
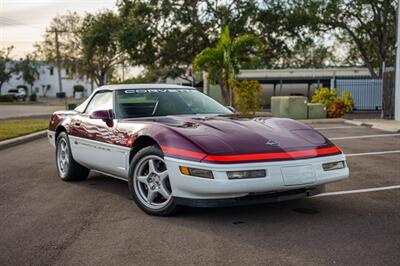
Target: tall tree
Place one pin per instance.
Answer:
(224, 60)
(366, 27)
(7, 65)
(69, 27)
(166, 35)
(100, 47)
(88, 46)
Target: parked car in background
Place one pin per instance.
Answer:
(17, 94)
(176, 146)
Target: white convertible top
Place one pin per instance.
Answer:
(143, 86)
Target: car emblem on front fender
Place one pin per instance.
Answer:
(272, 143)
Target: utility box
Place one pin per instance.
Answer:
(71, 106)
(275, 105)
(316, 111)
(294, 107)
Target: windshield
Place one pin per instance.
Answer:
(161, 102)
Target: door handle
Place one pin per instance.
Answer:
(77, 123)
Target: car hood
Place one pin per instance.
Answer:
(232, 135)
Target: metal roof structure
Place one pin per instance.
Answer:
(302, 75)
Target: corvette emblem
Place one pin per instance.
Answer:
(272, 143)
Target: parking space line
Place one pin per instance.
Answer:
(325, 128)
(371, 153)
(356, 191)
(366, 136)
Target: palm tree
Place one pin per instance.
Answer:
(224, 60)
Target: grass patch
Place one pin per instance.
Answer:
(63, 103)
(16, 128)
(20, 103)
(56, 104)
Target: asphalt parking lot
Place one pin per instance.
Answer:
(46, 221)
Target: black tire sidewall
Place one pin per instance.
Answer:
(64, 176)
(168, 209)
(75, 171)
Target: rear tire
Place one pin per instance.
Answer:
(68, 168)
(149, 183)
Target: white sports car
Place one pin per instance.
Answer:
(176, 146)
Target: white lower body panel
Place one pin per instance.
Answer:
(51, 136)
(281, 176)
(95, 155)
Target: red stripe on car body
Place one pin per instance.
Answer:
(273, 156)
(252, 157)
(182, 152)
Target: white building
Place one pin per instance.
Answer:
(48, 76)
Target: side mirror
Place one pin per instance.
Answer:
(232, 109)
(104, 115)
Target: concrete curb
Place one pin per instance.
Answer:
(374, 125)
(23, 139)
(21, 117)
(323, 121)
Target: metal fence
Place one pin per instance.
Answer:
(366, 92)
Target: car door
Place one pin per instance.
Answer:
(91, 139)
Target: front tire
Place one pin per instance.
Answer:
(149, 183)
(68, 168)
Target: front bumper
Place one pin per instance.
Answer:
(252, 199)
(276, 181)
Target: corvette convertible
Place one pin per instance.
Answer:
(177, 147)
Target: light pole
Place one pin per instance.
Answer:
(397, 84)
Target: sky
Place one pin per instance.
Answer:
(23, 22)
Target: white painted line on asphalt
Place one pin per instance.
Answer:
(371, 153)
(366, 136)
(356, 191)
(324, 128)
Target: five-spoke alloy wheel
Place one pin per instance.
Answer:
(68, 169)
(149, 182)
(62, 156)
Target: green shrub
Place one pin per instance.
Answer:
(78, 88)
(324, 96)
(336, 106)
(248, 96)
(6, 98)
(33, 97)
(348, 100)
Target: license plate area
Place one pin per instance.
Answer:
(298, 175)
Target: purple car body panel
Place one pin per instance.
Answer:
(196, 137)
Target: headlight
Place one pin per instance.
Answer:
(246, 174)
(196, 172)
(333, 166)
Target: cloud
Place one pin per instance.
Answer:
(22, 23)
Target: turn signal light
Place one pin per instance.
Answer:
(246, 174)
(196, 172)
